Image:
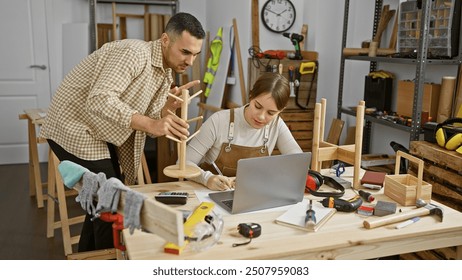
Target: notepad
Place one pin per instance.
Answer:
(295, 216)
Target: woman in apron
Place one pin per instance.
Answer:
(253, 130)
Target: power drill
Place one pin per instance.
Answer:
(296, 39)
(342, 204)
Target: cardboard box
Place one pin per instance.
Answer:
(430, 99)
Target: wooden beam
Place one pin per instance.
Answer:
(255, 24)
(239, 62)
(114, 22)
(304, 32)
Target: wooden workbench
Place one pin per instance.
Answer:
(342, 237)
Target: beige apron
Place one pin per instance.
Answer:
(231, 153)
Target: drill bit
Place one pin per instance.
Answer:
(310, 218)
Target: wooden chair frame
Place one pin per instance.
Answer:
(324, 151)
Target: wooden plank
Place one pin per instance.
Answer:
(299, 125)
(288, 115)
(154, 26)
(333, 137)
(114, 22)
(104, 33)
(123, 27)
(302, 134)
(394, 32)
(304, 32)
(441, 175)
(147, 24)
(255, 24)
(237, 46)
(335, 131)
(447, 194)
(437, 155)
(130, 16)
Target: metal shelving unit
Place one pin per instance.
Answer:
(92, 9)
(420, 62)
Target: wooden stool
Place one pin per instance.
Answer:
(324, 151)
(57, 193)
(35, 118)
(144, 177)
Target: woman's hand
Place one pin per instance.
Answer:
(220, 183)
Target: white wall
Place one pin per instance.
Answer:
(325, 25)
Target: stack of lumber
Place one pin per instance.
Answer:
(443, 170)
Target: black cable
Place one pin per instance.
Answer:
(244, 243)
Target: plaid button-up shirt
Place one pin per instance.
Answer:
(96, 100)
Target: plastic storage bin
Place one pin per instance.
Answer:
(443, 32)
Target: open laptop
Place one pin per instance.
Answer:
(266, 182)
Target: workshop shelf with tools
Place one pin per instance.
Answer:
(299, 113)
(389, 56)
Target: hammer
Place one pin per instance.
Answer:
(423, 209)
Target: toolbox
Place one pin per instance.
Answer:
(404, 188)
(377, 93)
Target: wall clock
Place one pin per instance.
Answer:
(278, 15)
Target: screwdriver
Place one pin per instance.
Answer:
(310, 218)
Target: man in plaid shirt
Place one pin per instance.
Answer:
(108, 103)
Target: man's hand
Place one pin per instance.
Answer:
(171, 125)
(220, 183)
(172, 103)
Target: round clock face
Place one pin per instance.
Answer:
(278, 15)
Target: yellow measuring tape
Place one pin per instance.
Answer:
(196, 217)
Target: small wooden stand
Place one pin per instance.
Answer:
(181, 170)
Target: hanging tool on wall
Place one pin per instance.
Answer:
(291, 71)
(308, 67)
(295, 39)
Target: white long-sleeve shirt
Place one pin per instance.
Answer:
(206, 145)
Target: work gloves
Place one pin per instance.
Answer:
(109, 195)
(221, 183)
(133, 203)
(89, 191)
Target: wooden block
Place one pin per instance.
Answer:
(430, 97)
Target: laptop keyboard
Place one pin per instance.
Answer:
(228, 202)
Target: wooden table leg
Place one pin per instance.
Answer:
(458, 252)
(34, 163)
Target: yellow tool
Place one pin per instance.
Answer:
(307, 67)
(196, 217)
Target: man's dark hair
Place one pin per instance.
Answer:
(185, 22)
